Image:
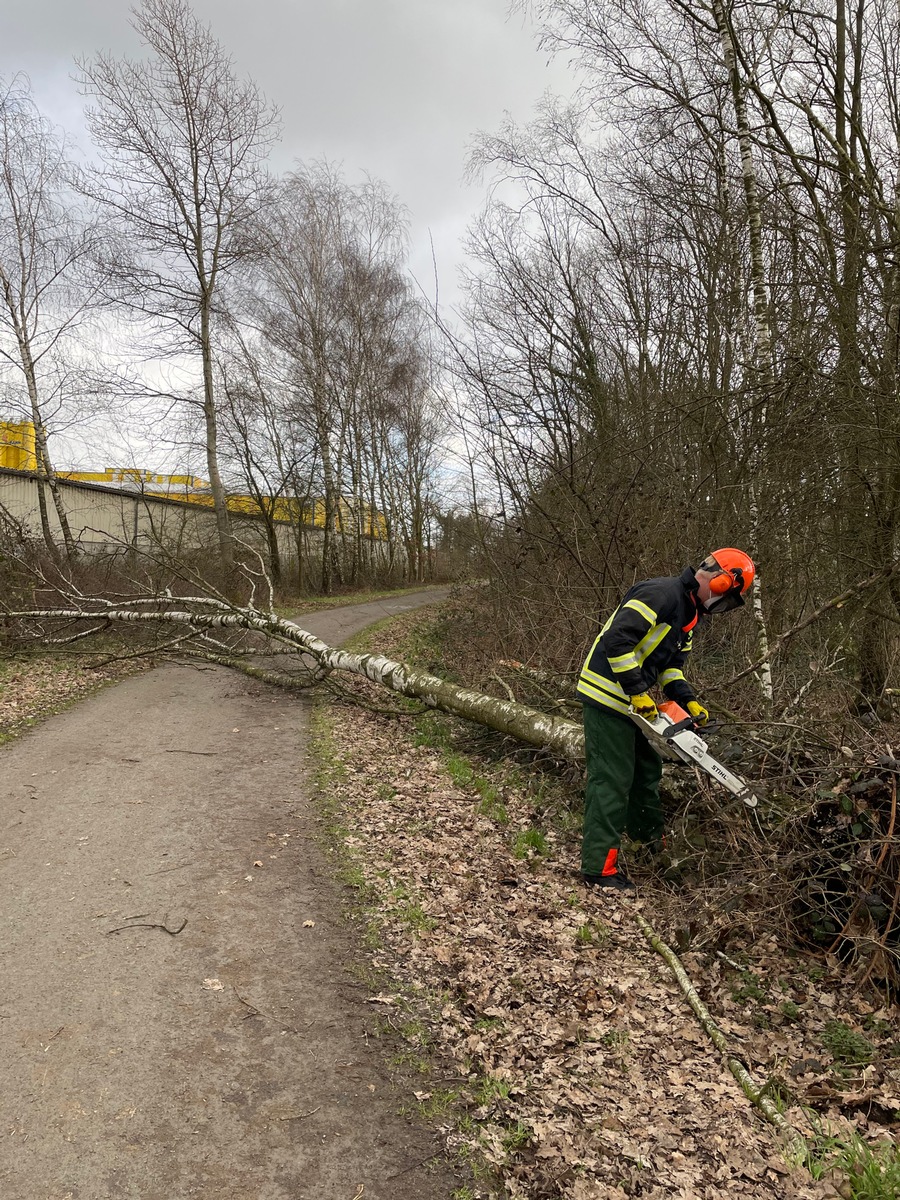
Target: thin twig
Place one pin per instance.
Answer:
(412, 1166)
(254, 1011)
(150, 925)
(837, 602)
(144, 652)
(755, 1094)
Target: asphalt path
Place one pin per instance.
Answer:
(179, 1010)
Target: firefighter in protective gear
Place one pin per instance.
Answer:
(646, 641)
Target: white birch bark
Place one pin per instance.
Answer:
(562, 737)
(764, 340)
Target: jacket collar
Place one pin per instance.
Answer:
(692, 588)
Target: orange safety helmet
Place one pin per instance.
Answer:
(736, 573)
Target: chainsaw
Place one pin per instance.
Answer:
(673, 733)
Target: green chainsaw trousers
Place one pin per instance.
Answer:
(622, 790)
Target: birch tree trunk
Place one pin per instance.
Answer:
(764, 356)
(561, 737)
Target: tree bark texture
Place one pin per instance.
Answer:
(561, 737)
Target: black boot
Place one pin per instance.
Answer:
(618, 881)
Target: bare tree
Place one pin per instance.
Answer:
(184, 140)
(348, 340)
(264, 448)
(44, 293)
(691, 319)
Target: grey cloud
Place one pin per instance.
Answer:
(397, 88)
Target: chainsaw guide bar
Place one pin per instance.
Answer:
(674, 736)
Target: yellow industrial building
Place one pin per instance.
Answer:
(18, 453)
(17, 448)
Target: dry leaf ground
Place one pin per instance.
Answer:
(552, 1041)
(33, 688)
(543, 1034)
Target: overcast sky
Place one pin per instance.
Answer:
(397, 88)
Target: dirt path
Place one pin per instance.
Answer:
(217, 1045)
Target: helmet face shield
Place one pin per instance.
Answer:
(722, 604)
(737, 564)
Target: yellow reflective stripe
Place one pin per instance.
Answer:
(601, 697)
(648, 643)
(592, 649)
(609, 622)
(625, 662)
(640, 607)
(670, 676)
(607, 685)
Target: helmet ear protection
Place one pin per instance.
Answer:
(724, 582)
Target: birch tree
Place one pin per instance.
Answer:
(183, 141)
(44, 291)
(333, 306)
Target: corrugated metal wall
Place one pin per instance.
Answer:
(104, 520)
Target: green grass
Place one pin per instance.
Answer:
(328, 771)
(846, 1045)
(436, 731)
(592, 933)
(409, 1060)
(436, 1105)
(463, 774)
(415, 918)
(488, 1023)
(432, 730)
(460, 770)
(413, 1030)
(869, 1172)
(494, 811)
(750, 989)
(516, 1137)
(489, 1089)
(528, 842)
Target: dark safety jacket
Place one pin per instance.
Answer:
(645, 641)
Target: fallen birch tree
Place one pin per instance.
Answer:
(555, 734)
